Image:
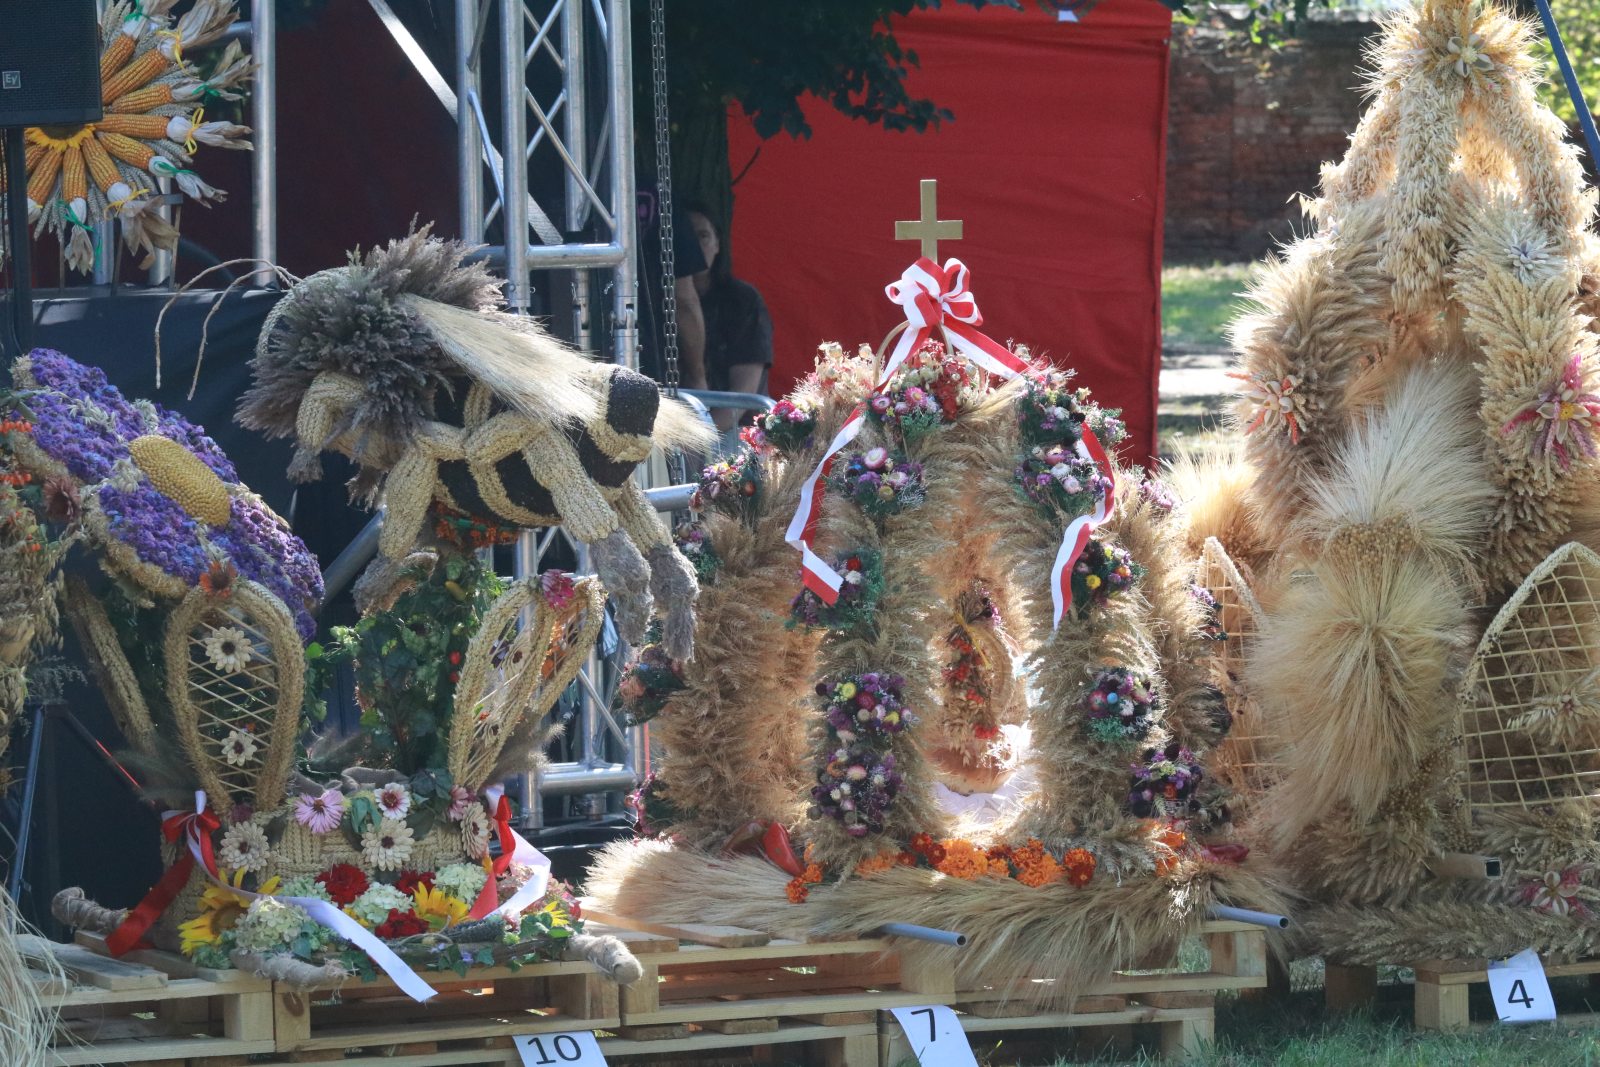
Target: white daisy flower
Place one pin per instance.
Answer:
(387, 846)
(228, 649)
(240, 747)
(244, 847)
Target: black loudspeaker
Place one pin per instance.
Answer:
(49, 62)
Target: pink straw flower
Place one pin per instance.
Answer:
(460, 798)
(558, 588)
(319, 813)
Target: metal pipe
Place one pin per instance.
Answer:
(514, 135)
(163, 262)
(721, 398)
(669, 498)
(924, 933)
(264, 123)
(570, 256)
(1254, 918)
(625, 319)
(469, 146)
(348, 563)
(605, 778)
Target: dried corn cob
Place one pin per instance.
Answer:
(30, 156)
(42, 177)
(143, 70)
(74, 176)
(101, 168)
(134, 153)
(116, 54)
(147, 127)
(141, 100)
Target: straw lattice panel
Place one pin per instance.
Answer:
(1247, 757)
(1530, 713)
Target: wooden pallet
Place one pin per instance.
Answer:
(470, 1021)
(1179, 1004)
(1440, 992)
(719, 987)
(150, 1008)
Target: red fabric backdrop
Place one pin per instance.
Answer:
(1055, 163)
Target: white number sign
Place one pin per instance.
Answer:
(936, 1036)
(575, 1049)
(1521, 993)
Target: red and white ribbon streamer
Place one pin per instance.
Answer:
(514, 850)
(1080, 529)
(938, 298)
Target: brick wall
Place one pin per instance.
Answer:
(1248, 129)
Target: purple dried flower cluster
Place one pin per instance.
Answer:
(866, 705)
(159, 531)
(1164, 784)
(1120, 707)
(261, 545)
(857, 787)
(1057, 478)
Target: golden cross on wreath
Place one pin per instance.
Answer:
(929, 229)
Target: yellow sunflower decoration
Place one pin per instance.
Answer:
(155, 100)
(220, 908)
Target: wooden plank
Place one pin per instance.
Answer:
(49, 985)
(1242, 953)
(780, 1007)
(1189, 999)
(742, 1026)
(778, 951)
(1187, 1039)
(638, 941)
(90, 969)
(177, 1048)
(1440, 1007)
(705, 934)
(619, 1048)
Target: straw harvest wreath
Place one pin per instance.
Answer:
(949, 504)
(155, 94)
(400, 362)
(198, 642)
(1416, 503)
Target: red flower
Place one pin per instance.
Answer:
(409, 880)
(985, 731)
(455, 659)
(854, 563)
(400, 924)
(344, 882)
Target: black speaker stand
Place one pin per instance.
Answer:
(21, 304)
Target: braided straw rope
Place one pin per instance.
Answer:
(503, 677)
(110, 666)
(263, 699)
(297, 852)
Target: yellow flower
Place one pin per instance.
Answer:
(220, 908)
(847, 690)
(1092, 581)
(438, 908)
(559, 916)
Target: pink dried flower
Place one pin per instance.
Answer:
(558, 588)
(460, 799)
(1569, 415)
(319, 813)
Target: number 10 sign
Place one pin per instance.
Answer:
(936, 1036)
(575, 1049)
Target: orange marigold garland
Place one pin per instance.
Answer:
(800, 887)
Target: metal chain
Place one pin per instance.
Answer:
(669, 298)
(677, 466)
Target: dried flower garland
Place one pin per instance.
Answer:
(788, 427)
(880, 482)
(924, 394)
(858, 596)
(1164, 784)
(1120, 708)
(729, 485)
(648, 682)
(695, 544)
(1101, 572)
(857, 787)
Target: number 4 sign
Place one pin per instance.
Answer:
(1521, 993)
(936, 1036)
(575, 1049)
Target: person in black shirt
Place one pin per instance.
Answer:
(687, 264)
(738, 328)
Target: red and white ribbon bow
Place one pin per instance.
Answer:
(937, 298)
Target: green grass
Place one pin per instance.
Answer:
(1198, 302)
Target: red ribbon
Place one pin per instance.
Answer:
(196, 826)
(489, 897)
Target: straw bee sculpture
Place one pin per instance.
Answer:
(400, 362)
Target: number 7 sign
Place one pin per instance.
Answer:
(936, 1036)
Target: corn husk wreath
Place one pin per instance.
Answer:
(198, 642)
(155, 98)
(1090, 887)
(1419, 472)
